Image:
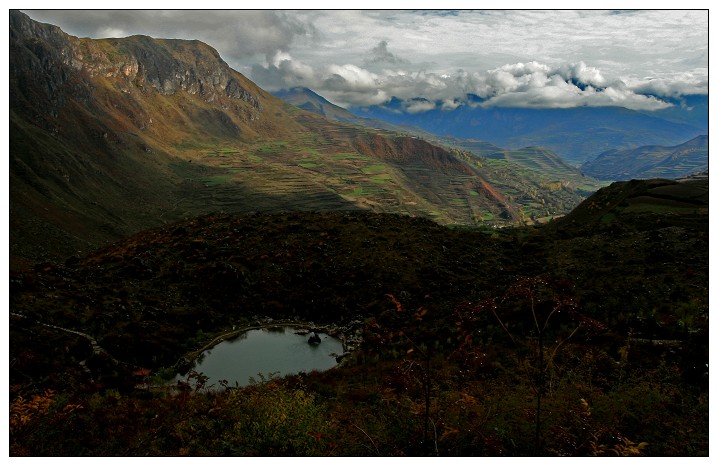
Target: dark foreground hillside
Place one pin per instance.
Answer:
(584, 337)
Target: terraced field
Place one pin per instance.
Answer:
(336, 167)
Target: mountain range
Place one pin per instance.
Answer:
(112, 136)
(576, 134)
(651, 161)
(532, 176)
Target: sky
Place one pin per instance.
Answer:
(510, 58)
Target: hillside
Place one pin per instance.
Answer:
(535, 180)
(651, 161)
(447, 319)
(112, 136)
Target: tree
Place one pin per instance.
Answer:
(545, 300)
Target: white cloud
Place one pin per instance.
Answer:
(583, 74)
(451, 104)
(679, 84)
(569, 85)
(530, 84)
(418, 106)
(355, 77)
(553, 58)
(111, 32)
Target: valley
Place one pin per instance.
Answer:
(189, 148)
(496, 300)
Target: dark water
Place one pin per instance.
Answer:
(267, 351)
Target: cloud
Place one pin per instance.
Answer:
(451, 104)
(283, 72)
(381, 55)
(680, 84)
(553, 58)
(236, 34)
(560, 94)
(537, 85)
(530, 85)
(418, 105)
(353, 77)
(581, 75)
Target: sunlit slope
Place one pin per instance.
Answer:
(115, 135)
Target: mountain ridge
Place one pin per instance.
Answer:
(576, 134)
(652, 161)
(541, 183)
(113, 136)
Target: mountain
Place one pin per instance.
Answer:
(640, 204)
(688, 109)
(308, 100)
(112, 136)
(575, 134)
(651, 161)
(540, 184)
(538, 158)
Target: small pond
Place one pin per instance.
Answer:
(277, 351)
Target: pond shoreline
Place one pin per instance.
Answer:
(349, 343)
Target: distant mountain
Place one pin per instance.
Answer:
(543, 162)
(689, 109)
(575, 134)
(651, 161)
(308, 100)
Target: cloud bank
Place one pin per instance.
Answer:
(529, 85)
(434, 59)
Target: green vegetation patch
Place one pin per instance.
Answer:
(381, 179)
(275, 146)
(310, 151)
(374, 169)
(253, 158)
(363, 191)
(349, 156)
(217, 179)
